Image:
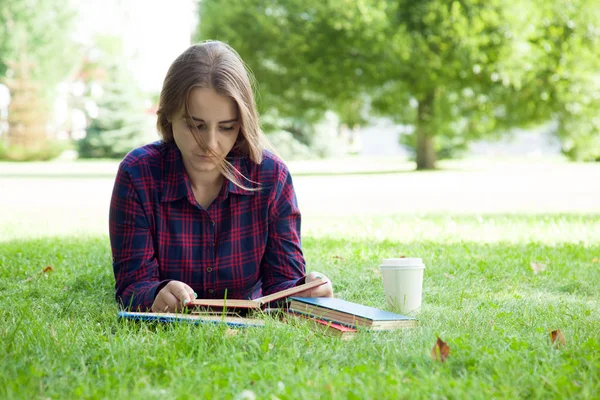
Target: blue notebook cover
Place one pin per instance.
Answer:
(347, 307)
(234, 322)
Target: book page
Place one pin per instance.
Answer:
(288, 292)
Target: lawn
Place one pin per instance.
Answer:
(61, 337)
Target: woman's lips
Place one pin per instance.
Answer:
(203, 158)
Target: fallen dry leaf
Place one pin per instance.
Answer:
(557, 338)
(537, 267)
(449, 276)
(45, 270)
(339, 257)
(440, 351)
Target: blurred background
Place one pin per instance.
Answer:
(500, 98)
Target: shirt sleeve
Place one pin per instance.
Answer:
(134, 263)
(283, 263)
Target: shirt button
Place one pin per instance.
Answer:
(209, 269)
(211, 291)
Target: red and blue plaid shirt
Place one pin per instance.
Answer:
(246, 244)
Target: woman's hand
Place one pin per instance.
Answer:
(325, 290)
(173, 297)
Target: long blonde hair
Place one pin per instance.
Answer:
(213, 64)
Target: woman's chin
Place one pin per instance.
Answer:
(204, 165)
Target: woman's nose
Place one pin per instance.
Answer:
(211, 139)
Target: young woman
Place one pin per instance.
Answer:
(207, 212)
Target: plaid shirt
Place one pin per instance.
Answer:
(246, 244)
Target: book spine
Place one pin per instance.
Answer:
(313, 316)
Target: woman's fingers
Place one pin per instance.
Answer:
(173, 297)
(181, 291)
(165, 302)
(325, 290)
(191, 292)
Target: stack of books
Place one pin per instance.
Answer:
(343, 318)
(331, 315)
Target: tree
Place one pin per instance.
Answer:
(36, 53)
(568, 41)
(121, 123)
(44, 28)
(306, 58)
(455, 70)
(27, 139)
(439, 71)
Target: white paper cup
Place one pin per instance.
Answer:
(403, 283)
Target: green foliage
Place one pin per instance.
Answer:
(297, 81)
(288, 147)
(581, 137)
(569, 83)
(28, 116)
(36, 53)
(457, 71)
(43, 29)
(121, 123)
(47, 151)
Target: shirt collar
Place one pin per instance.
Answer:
(240, 163)
(176, 182)
(175, 178)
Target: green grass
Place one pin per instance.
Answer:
(61, 337)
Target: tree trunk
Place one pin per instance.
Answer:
(426, 156)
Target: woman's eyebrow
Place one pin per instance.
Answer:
(220, 122)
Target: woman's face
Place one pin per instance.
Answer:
(217, 121)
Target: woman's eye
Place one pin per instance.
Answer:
(202, 126)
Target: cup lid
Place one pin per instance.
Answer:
(402, 262)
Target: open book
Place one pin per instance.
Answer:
(259, 303)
